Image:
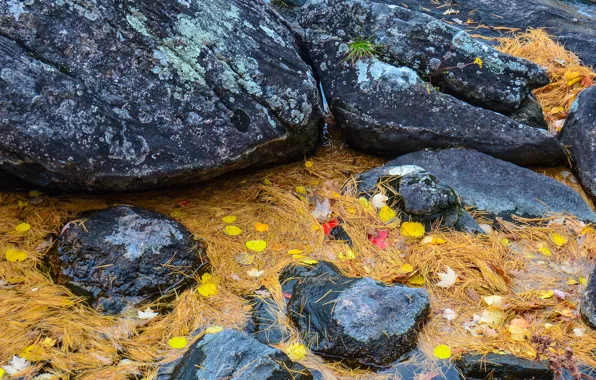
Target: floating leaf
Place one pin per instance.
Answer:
(232, 230)
(406, 268)
(16, 255)
(349, 255)
(296, 351)
(256, 245)
(309, 164)
(147, 314)
(177, 342)
(559, 240)
(213, 329)
(261, 227)
(254, 272)
(386, 214)
(229, 219)
(412, 229)
(379, 201)
(23, 227)
(447, 279)
(544, 295)
(442, 351)
(245, 258)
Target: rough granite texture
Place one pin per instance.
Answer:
(499, 187)
(387, 108)
(579, 137)
(357, 320)
(588, 302)
(418, 194)
(436, 51)
(231, 354)
(503, 367)
(117, 95)
(123, 256)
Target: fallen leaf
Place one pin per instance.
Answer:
(583, 281)
(256, 245)
(301, 190)
(449, 314)
(519, 329)
(448, 279)
(33, 353)
(232, 230)
(406, 268)
(229, 219)
(579, 332)
(544, 251)
(492, 317)
(213, 329)
(295, 251)
(147, 314)
(412, 229)
(379, 201)
(309, 261)
(432, 240)
(207, 287)
(16, 255)
(177, 342)
(327, 227)
(245, 258)
(379, 238)
(349, 255)
(23, 227)
(322, 210)
(254, 272)
(546, 294)
(263, 293)
(363, 202)
(506, 242)
(442, 351)
(16, 365)
(558, 240)
(261, 227)
(47, 342)
(494, 302)
(296, 351)
(386, 214)
(309, 164)
(416, 280)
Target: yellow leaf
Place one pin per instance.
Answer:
(559, 240)
(229, 219)
(213, 329)
(363, 202)
(571, 281)
(22, 204)
(545, 251)
(15, 255)
(412, 229)
(256, 245)
(33, 353)
(442, 351)
(1, 373)
(406, 268)
(295, 251)
(308, 164)
(583, 281)
(48, 342)
(492, 317)
(556, 110)
(574, 81)
(349, 255)
(494, 302)
(416, 280)
(351, 210)
(519, 329)
(505, 242)
(177, 342)
(245, 258)
(23, 227)
(546, 294)
(261, 227)
(267, 181)
(587, 231)
(301, 190)
(207, 287)
(314, 227)
(35, 193)
(296, 351)
(432, 240)
(386, 214)
(309, 261)
(232, 230)
(478, 61)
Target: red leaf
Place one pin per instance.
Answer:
(379, 240)
(287, 295)
(586, 81)
(327, 227)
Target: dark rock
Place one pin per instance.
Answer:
(120, 96)
(435, 50)
(571, 23)
(579, 137)
(263, 322)
(588, 302)
(530, 113)
(232, 354)
(356, 320)
(124, 256)
(339, 234)
(9, 182)
(385, 108)
(499, 187)
(503, 367)
(418, 194)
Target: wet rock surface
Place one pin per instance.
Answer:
(113, 96)
(123, 256)
(263, 322)
(433, 49)
(579, 137)
(418, 194)
(503, 367)
(232, 354)
(588, 302)
(356, 320)
(499, 187)
(383, 106)
(571, 22)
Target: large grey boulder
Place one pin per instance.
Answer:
(579, 137)
(357, 320)
(588, 301)
(499, 187)
(232, 354)
(384, 106)
(124, 256)
(135, 95)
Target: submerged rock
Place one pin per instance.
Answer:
(588, 302)
(383, 106)
(136, 95)
(123, 256)
(357, 320)
(579, 137)
(503, 367)
(499, 187)
(232, 354)
(418, 194)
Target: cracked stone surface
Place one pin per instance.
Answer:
(134, 95)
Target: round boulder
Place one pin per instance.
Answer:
(123, 256)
